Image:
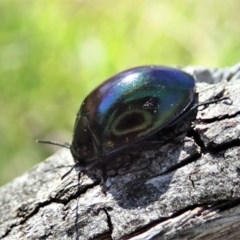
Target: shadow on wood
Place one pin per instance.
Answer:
(187, 187)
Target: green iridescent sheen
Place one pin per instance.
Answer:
(129, 107)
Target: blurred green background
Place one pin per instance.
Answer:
(52, 53)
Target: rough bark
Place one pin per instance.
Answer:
(184, 186)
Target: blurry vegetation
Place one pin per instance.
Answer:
(52, 53)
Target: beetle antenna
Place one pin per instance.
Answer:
(65, 145)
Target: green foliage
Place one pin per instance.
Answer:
(52, 53)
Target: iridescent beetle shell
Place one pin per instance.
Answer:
(128, 108)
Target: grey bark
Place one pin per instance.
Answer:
(184, 186)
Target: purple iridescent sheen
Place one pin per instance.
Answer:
(129, 107)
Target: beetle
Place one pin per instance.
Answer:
(128, 108)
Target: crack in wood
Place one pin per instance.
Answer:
(184, 186)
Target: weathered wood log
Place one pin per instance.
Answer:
(184, 186)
